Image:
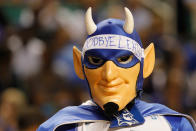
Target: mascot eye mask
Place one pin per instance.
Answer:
(95, 58)
(123, 51)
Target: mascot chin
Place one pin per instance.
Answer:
(114, 64)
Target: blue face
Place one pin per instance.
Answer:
(95, 58)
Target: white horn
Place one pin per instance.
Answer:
(129, 22)
(90, 25)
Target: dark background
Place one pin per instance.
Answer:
(36, 67)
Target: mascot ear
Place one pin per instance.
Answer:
(149, 60)
(77, 62)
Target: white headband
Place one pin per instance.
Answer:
(111, 41)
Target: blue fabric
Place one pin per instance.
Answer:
(72, 114)
(69, 127)
(85, 112)
(140, 78)
(147, 109)
(126, 117)
(179, 123)
(109, 55)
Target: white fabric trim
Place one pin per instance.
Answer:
(152, 123)
(79, 121)
(111, 41)
(89, 102)
(184, 115)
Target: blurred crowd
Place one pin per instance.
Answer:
(37, 77)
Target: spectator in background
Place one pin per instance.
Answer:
(30, 119)
(13, 101)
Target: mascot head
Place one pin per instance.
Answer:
(113, 61)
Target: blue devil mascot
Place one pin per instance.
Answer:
(114, 64)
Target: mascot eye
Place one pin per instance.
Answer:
(95, 60)
(125, 59)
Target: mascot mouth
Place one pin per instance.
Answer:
(110, 109)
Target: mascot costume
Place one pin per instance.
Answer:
(114, 64)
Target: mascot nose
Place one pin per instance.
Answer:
(109, 71)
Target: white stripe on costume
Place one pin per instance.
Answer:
(152, 123)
